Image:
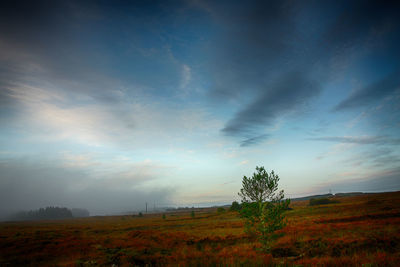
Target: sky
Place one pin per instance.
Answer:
(107, 105)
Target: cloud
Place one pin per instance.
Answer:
(186, 76)
(375, 158)
(339, 148)
(49, 116)
(258, 66)
(291, 91)
(254, 140)
(361, 23)
(244, 162)
(371, 93)
(70, 46)
(66, 76)
(253, 41)
(361, 140)
(54, 115)
(40, 46)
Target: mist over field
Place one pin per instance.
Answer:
(107, 105)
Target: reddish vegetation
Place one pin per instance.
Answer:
(360, 230)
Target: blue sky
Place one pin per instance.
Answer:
(106, 105)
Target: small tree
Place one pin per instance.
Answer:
(192, 214)
(235, 206)
(263, 206)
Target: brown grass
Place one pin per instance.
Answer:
(358, 231)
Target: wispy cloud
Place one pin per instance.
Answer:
(335, 150)
(371, 93)
(254, 140)
(361, 140)
(244, 162)
(374, 158)
(290, 92)
(54, 115)
(186, 76)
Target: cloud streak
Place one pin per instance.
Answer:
(254, 140)
(292, 91)
(371, 93)
(360, 140)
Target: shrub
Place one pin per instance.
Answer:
(235, 206)
(220, 210)
(322, 201)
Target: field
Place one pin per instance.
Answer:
(357, 231)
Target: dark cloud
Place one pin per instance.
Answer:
(40, 46)
(361, 140)
(254, 140)
(258, 41)
(252, 39)
(355, 22)
(372, 93)
(291, 90)
(262, 56)
(87, 48)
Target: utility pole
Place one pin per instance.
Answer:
(146, 207)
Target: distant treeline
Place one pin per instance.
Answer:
(50, 213)
(349, 194)
(322, 201)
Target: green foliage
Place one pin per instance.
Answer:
(140, 214)
(322, 201)
(192, 214)
(220, 210)
(263, 206)
(163, 216)
(235, 206)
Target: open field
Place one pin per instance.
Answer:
(358, 231)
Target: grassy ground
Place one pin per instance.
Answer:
(358, 231)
